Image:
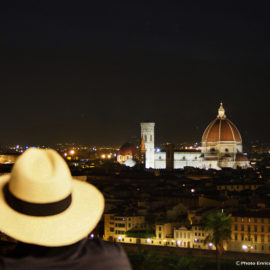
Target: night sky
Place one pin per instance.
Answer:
(74, 71)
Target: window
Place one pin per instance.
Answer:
(242, 228)
(255, 228)
(262, 247)
(262, 220)
(262, 238)
(248, 227)
(151, 138)
(236, 218)
(111, 229)
(242, 236)
(255, 238)
(249, 238)
(145, 138)
(120, 225)
(255, 219)
(242, 219)
(235, 227)
(262, 228)
(159, 235)
(235, 236)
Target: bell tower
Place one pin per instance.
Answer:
(148, 136)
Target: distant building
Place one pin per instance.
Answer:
(128, 154)
(116, 227)
(251, 231)
(221, 147)
(8, 158)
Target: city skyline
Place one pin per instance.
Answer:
(90, 75)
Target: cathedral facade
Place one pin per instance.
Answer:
(221, 147)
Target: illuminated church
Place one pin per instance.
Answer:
(221, 147)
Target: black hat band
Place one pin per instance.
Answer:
(36, 209)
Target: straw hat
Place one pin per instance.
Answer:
(41, 204)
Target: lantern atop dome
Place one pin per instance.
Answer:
(221, 112)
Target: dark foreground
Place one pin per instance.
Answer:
(164, 258)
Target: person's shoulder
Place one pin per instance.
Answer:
(104, 255)
(103, 246)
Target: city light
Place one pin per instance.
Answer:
(103, 156)
(148, 240)
(119, 238)
(210, 245)
(72, 152)
(244, 247)
(178, 243)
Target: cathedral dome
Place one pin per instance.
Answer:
(128, 149)
(221, 129)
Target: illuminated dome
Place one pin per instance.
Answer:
(221, 137)
(128, 149)
(221, 129)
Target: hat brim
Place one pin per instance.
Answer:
(66, 228)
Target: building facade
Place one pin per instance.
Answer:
(221, 147)
(250, 232)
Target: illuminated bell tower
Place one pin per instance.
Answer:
(148, 133)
